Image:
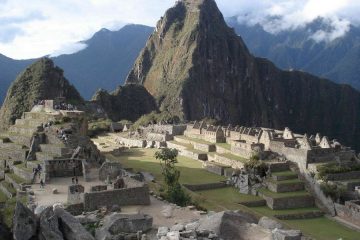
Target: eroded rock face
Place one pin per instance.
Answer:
(118, 223)
(24, 223)
(49, 226)
(71, 227)
(196, 66)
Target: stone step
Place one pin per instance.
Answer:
(278, 166)
(279, 201)
(292, 185)
(285, 175)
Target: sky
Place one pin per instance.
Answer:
(34, 28)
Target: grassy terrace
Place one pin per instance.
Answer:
(182, 144)
(284, 173)
(233, 157)
(229, 198)
(290, 181)
(144, 160)
(9, 187)
(195, 140)
(224, 145)
(16, 178)
(266, 192)
(3, 197)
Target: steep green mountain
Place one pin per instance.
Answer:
(337, 60)
(41, 80)
(104, 63)
(126, 102)
(196, 66)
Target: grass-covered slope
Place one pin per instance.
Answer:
(41, 80)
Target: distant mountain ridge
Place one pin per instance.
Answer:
(337, 60)
(104, 63)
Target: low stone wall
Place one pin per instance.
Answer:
(222, 150)
(63, 168)
(27, 175)
(75, 209)
(344, 176)
(176, 146)
(295, 216)
(285, 187)
(239, 151)
(228, 162)
(120, 197)
(258, 203)
(289, 202)
(348, 212)
(193, 155)
(278, 166)
(128, 142)
(205, 147)
(205, 186)
(214, 168)
(228, 172)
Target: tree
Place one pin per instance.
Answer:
(174, 191)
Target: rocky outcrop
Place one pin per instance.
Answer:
(127, 102)
(196, 67)
(71, 227)
(24, 223)
(41, 80)
(49, 226)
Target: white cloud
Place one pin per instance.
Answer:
(41, 27)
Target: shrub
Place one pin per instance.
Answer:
(333, 168)
(174, 191)
(98, 127)
(256, 166)
(332, 190)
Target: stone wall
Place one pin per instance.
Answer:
(25, 174)
(75, 209)
(295, 216)
(344, 176)
(176, 146)
(205, 147)
(289, 202)
(285, 187)
(228, 162)
(121, 197)
(128, 142)
(205, 186)
(193, 155)
(111, 170)
(63, 168)
(350, 211)
(296, 155)
(214, 168)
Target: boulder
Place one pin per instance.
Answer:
(177, 227)
(162, 232)
(175, 235)
(24, 223)
(269, 223)
(4, 232)
(115, 208)
(280, 234)
(167, 211)
(55, 191)
(49, 225)
(70, 227)
(39, 209)
(88, 219)
(117, 223)
(227, 225)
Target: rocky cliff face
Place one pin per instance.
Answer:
(196, 66)
(127, 102)
(41, 80)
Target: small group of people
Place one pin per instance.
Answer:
(65, 106)
(62, 135)
(75, 180)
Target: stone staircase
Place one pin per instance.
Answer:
(285, 193)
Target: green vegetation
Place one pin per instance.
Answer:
(16, 178)
(98, 126)
(9, 187)
(333, 191)
(255, 166)
(8, 211)
(3, 197)
(323, 229)
(144, 160)
(233, 157)
(224, 145)
(155, 117)
(174, 192)
(195, 140)
(284, 173)
(264, 210)
(333, 168)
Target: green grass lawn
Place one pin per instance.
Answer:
(189, 146)
(280, 195)
(284, 173)
(224, 145)
(3, 197)
(9, 187)
(144, 160)
(16, 178)
(269, 212)
(324, 229)
(295, 180)
(196, 140)
(233, 157)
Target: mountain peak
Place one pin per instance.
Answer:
(41, 80)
